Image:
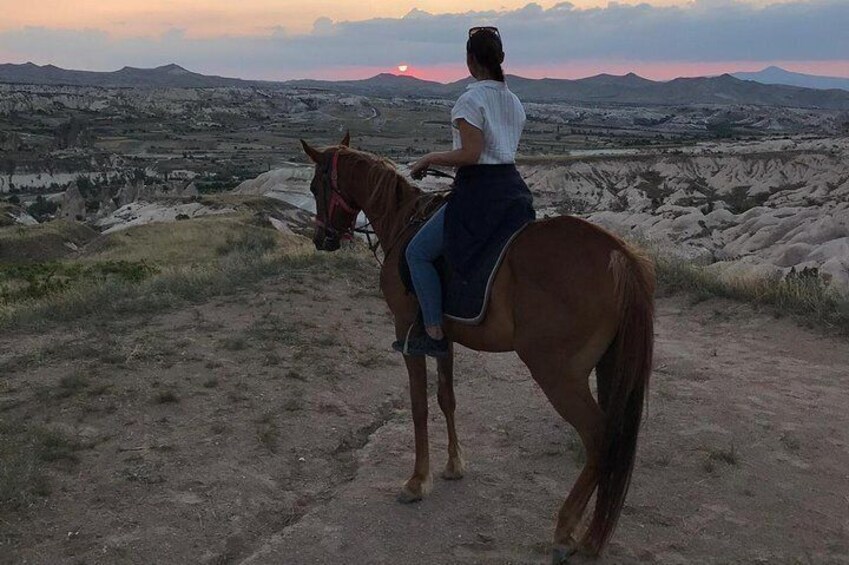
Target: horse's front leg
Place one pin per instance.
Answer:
(419, 484)
(456, 466)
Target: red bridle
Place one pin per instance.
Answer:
(335, 200)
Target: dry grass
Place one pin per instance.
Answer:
(166, 397)
(25, 453)
(268, 431)
(805, 297)
(720, 456)
(42, 242)
(178, 286)
(179, 244)
(37, 267)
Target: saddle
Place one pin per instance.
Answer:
(464, 298)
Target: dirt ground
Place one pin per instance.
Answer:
(273, 426)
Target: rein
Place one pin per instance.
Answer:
(438, 173)
(374, 246)
(335, 199)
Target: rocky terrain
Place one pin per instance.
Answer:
(756, 208)
(743, 187)
(52, 135)
(760, 208)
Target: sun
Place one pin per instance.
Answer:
(403, 68)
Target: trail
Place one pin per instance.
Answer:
(743, 458)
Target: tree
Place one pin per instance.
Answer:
(42, 209)
(85, 186)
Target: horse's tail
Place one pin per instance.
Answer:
(623, 381)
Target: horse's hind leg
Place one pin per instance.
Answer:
(456, 466)
(571, 396)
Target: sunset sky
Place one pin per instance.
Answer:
(282, 39)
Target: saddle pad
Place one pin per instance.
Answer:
(465, 300)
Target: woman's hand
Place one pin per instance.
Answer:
(418, 170)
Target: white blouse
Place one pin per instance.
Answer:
(492, 108)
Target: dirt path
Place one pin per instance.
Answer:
(744, 459)
(265, 428)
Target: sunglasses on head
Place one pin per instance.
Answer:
(490, 29)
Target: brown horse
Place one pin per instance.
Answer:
(569, 297)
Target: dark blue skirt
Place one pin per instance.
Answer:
(488, 205)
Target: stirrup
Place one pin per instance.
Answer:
(423, 345)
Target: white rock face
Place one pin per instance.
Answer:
(757, 209)
(140, 213)
(24, 219)
(290, 177)
(72, 205)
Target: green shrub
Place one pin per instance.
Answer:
(253, 243)
(42, 209)
(27, 281)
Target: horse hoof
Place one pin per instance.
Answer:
(561, 554)
(454, 470)
(452, 474)
(407, 496)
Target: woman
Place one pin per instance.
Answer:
(487, 122)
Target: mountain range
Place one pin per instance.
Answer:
(173, 76)
(603, 88)
(777, 75)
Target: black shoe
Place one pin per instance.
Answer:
(418, 345)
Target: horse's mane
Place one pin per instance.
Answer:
(388, 187)
(382, 170)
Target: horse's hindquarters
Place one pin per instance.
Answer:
(555, 289)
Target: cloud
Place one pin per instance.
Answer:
(700, 31)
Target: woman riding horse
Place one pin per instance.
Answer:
(488, 196)
(568, 298)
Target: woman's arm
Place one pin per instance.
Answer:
(471, 140)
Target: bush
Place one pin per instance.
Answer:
(254, 243)
(42, 209)
(30, 281)
(85, 186)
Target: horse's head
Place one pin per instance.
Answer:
(335, 212)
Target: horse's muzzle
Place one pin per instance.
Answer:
(326, 243)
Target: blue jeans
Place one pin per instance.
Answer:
(424, 249)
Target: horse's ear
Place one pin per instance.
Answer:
(313, 154)
(346, 141)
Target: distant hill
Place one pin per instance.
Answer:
(627, 89)
(602, 89)
(777, 75)
(173, 76)
(382, 85)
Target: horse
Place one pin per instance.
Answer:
(568, 297)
